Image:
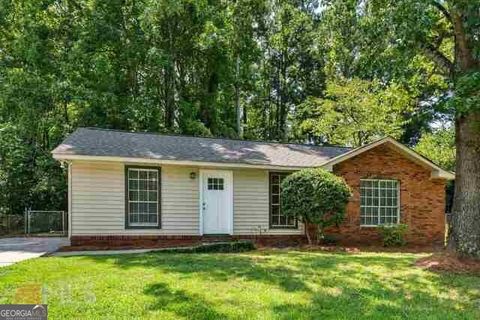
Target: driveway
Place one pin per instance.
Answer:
(13, 250)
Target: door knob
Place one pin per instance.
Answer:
(204, 205)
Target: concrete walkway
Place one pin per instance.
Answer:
(132, 251)
(13, 250)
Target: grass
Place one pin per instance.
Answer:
(276, 284)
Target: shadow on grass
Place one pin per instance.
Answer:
(339, 285)
(289, 271)
(179, 302)
(221, 267)
(378, 304)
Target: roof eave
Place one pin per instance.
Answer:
(443, 175)
(76, 157)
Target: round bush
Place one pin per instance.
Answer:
(393, 235)
(315, 196)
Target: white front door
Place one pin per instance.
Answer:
(217, 201)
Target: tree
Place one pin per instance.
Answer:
(439, 146)
(353, 112)
(444, 33)
(361, 40)
(289, 70)
(315, 197)
(293, 67)
(161, 66)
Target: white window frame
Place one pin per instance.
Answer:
(157, 201)
(272, 225)
(379, 206)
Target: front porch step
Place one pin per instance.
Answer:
(209, 238)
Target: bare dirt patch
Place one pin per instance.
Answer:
(446, 262)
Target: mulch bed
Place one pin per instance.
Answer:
(358, 249)
(447, 262)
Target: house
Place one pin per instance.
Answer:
(151, 189)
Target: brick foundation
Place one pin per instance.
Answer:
(119, 241)
(422, 199)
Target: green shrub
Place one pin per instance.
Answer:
(232, 246)
(315, 196)
(393, 235)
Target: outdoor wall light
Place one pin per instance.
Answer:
(192, 175)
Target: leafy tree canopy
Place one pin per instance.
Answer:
(355, 112)
(439, 146)
(325, 72)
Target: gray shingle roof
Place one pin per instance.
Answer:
(101, 142)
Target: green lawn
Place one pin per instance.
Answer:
(258, 285)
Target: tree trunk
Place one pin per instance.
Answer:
(464, 235)
(307, 232)
(238, 109)
(319, 233)
(283, 112)
(170, 84)
(169, 98)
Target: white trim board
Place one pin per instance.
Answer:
(66, 157)
(69, 196)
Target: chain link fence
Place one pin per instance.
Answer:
(35, 223)
(11, 225)
(41, 222)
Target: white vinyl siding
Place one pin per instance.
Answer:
(98, 200)
(379, 202)
(251, 204)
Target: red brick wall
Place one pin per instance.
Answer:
(422, 199)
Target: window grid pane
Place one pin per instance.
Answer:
(277, 219)
(215, 183)
(379, 202)
(143, 197)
